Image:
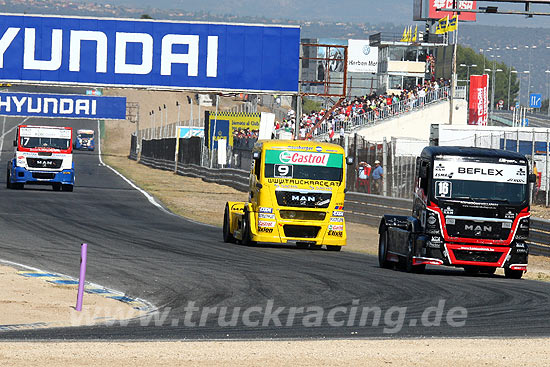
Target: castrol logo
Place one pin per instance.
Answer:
(304, 158)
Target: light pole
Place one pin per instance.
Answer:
(529, 82)
(509, 85)
(547, 90)
(493, 71)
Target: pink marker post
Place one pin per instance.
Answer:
(82, 279)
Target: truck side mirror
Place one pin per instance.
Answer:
(350, 161)
(15, 143)
(424, 172)
(532, 178)
(256, 155)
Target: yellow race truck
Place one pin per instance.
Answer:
(296, 194)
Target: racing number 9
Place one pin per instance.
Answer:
(283, 170)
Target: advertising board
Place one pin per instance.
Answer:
(149, 53)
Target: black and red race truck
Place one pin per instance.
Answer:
(470, 210)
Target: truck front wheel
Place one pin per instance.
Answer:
(67, 188)
(227, 235)
(383, 249)
(246, 230)
(513, 274)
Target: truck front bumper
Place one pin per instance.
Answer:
(456, 254)
(22, 175)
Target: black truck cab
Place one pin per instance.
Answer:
(470, 209)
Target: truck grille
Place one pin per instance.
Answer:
(44, 163)
(303, 199)
(482, 230)
(43, 175)
(301, 231)
(480, 256)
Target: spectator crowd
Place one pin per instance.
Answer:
(372, 106)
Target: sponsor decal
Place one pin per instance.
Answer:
(335, 227)
(265, 230)
(476, 248)
(264, 223)
(292, 181)
(266, 210)
(478, 171)
(266, 216)
(312, 159)
(339, 207)
(336, 233)
(436, 239)
(337, 213)
(337, 220)
(291, 157)
(448, 210)
(507, 225)
(510, 215)
(319, 149)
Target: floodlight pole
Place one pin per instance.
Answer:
(299, 99)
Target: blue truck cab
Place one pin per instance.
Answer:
(84, 140)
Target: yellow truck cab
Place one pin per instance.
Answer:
(296, 194)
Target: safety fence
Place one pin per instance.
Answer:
(359, 207)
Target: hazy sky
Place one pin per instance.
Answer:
(371, 11)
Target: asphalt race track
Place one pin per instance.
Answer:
(137, 248)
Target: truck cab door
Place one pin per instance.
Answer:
(255, 185)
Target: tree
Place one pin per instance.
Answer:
(468, 56)
(145, 16)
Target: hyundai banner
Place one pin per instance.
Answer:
(62, 105)
(479, 100)
(149, 53)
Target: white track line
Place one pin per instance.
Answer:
(149, 197)
(146, 194)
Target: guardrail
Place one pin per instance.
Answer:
(359, 207)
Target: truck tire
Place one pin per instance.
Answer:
(56, 186)
(383, 249)
(68, 188)
(246, 230)
(227, 235)
(513, 274)
(334, 248)
(409, 267)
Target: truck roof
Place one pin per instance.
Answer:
(46, 127)
(84, 131)
(432, 151)
(304, 145)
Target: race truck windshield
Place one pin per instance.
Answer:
(303, 165)
(44, 138)
(53, 143)
(477, 181)
(85, 136)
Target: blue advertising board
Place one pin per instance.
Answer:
(62, 105)
(149, 53)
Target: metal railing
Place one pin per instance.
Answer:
(373, 117)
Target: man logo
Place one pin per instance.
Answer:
(303, 199)
(478, 229)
